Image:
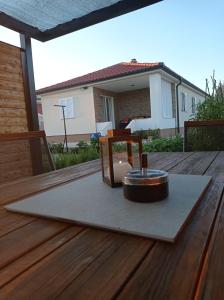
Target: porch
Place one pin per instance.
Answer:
(120, 102)
(138, 102)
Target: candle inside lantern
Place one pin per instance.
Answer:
(120, 170)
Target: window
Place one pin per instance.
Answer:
(167, 105)
(69, 107)
(193, 105)
(108, 112)
(183, 102)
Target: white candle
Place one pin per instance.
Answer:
(120, 170)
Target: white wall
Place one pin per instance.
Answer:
(84, 113)
(186, 115)
(160, 94)
(156, 85)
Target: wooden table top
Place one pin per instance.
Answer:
(43, 259)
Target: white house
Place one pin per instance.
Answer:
(148, 95)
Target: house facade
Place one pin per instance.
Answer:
(132, 95)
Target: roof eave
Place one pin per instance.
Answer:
(39, 92)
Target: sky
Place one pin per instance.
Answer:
(186, 35)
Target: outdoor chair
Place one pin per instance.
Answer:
(24, 154)
(204, 135)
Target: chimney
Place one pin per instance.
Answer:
(133, 60)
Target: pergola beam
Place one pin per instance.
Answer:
(29, 83)
(97, 16)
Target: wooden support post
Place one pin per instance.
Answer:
(31, 103)
(29, 84)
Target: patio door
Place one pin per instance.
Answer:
(108, 104)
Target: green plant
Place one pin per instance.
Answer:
(168, 144)
(82, 145)
(154, 133)
(213, 106)
(68, 159)
(144, 134)
(56, 148)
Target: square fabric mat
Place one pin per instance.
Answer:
(89, 201)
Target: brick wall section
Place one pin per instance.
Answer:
(134, 104)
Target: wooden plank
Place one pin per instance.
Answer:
(204, 123)
(8, 86)
(196, 164)
(12, 121)
(20, 241)
(10, 59)
(10, 221)
(174, 269)
(8, 48)
(110, 260)
(10, 69)
(12, 112)
(45, 181)
(14, 174)
(12, 98)
(52, 274)
(22, 136)
(5, 93)
(16, 165)
(14, 77)
(14, 147)
(108, 280)
(12, 105)
(22, 264)
(211, 278)
(13, 156)
(13, 128)
(109, 270)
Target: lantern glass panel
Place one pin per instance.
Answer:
(135, 155)
(119, 150)
(105, 155)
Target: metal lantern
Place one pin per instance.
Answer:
(120, 152)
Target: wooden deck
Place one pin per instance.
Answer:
(42, 259)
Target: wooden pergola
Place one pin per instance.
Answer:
(41, 20)
(102, 11)
(47, 259)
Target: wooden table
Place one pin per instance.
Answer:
(42, 259)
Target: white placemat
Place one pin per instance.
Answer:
(89, 201)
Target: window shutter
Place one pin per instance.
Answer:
(167, 108)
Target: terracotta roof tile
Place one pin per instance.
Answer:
(121, 69)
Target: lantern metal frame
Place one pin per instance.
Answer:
(129, 139)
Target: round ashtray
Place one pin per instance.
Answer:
(146, 185)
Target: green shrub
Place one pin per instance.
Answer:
(144, 134)
(56, 147)
(169, 144)
(68, 159)
(213, 106)
(82, 145)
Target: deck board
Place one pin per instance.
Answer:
(46, 259)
